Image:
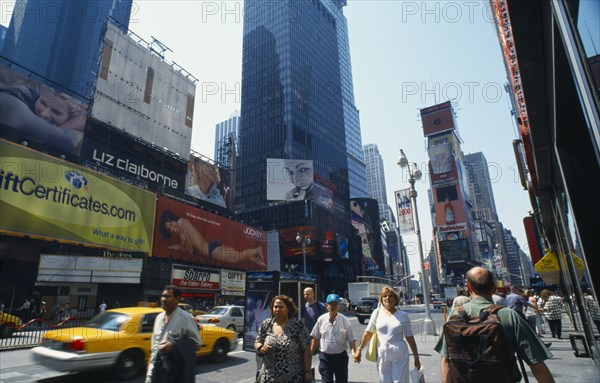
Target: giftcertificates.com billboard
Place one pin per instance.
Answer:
(46, 197)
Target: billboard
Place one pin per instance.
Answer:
(50, 198)
(437, 119)
(406, 222)
(365, 219)
(143, 94)
(187, 233)
(39, 116)
(323, 244)
(441, 159)
(108, 149)
(195, 278)
(289, 179)
(83, 269)
(454, 251)
(291, 248)
(233, 282)
(449, 210)
(209, 183)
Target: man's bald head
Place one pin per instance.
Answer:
(309, 295)
(481, 281)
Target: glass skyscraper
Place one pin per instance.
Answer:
(61, 40)
(356, 166)
(297, 98)
(223, 130)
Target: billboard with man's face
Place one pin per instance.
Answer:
(39, 116)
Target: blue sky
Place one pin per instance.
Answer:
(406, 55)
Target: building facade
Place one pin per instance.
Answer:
(376, 180)
(450, 197)
(225, 132)
(297, 105)
(60, 40)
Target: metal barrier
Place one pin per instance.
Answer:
(580, 347)
(30, 334)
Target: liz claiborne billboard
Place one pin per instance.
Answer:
(49, 198)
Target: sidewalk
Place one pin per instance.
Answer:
(565, 367)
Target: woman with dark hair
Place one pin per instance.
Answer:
(191, 241)
(283, 342)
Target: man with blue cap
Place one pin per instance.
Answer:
(331, 335)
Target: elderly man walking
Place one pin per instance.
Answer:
(332, 334)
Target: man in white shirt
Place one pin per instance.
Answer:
(331, 335)
(175, 333)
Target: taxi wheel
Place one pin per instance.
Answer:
(220, 350)
(5, 331)
(129, 364)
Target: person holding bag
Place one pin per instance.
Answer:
(392, 327)
(284, 345)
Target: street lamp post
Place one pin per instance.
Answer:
(305, 241)
(415, 174)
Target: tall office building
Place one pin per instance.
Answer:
(356, 166)
(223, 132)
(293, 89)
(297, 103)
(376, 181)
(61, 40)
(450, 198)
(3, 32)
(514, 262)
(375, 173)
(480, 187)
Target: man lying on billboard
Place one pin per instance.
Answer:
(192, 242)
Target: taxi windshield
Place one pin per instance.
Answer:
(108, 320)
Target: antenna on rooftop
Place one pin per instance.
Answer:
(161, 48)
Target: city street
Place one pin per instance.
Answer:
(18, 366)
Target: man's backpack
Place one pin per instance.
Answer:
(476, 348)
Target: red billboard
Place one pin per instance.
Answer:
(190, 234)
(438, 118)
(449, 209)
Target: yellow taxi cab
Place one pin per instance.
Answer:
(119, 339)
(190, 309)
(8, 324)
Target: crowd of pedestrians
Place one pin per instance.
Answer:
(286, 346)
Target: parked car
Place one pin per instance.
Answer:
(8, 324)
(364, 308)
(119, 339)
(229, 317)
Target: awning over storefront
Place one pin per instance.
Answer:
(549, 268)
